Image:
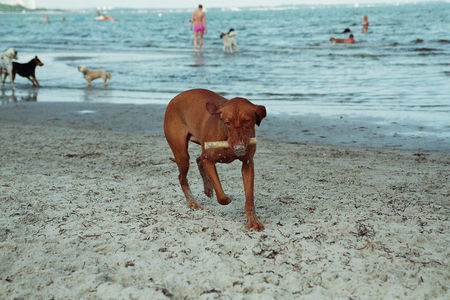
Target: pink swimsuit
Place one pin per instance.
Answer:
(199, 27)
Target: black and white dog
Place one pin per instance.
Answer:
(229, 40)
(6, 66)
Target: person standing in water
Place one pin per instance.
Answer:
(365, 24)
(199, 22)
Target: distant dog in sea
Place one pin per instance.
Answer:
(229, 40)
(90, 75)
(6, 65)
(27, 70)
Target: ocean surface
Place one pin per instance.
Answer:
(398, 71)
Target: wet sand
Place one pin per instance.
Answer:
(91, 208)
(308, 128)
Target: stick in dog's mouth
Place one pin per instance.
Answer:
(224, 144)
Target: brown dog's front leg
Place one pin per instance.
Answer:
(248, 175)
(211, 171)
(35, 79)
(32, 81)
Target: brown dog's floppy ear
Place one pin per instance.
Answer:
(212, 108)
(260, 113)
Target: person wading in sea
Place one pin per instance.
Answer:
(365, 24)
(199, 22)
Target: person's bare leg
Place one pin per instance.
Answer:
(195, 39)
(201, 40)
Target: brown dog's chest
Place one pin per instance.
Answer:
(219, 155)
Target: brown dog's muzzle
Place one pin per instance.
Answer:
(240, 149)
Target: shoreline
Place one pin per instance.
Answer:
(344, 130)
(96, 213)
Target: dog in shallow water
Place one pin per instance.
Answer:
(6, 65)
(229, 40)
(91, 75)
(225, 129)
(27, 70)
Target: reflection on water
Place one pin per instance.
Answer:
(199, 59)
(95, 94)
(12, 96)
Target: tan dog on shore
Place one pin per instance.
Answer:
(90, 75)
(226, 131)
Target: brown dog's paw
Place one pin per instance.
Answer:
(194, 205)
(254, 224)
(225, 200)
(209, 192)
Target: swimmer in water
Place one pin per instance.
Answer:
(348, 40)
(365, 24)
(199, 22)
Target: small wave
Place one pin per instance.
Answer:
(294, 95)
(425, 50)
(417, 41)
(72, 58)
(411, 64)
(372, 56)
(432, 54)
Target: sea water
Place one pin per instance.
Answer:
(399, 70)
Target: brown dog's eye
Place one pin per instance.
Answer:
(227, 123)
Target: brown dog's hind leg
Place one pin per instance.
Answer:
(183, 167)
(178, 144)
(207, 186)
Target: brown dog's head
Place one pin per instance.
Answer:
(38, 61)
(239, 117)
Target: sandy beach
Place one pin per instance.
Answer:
(95, 212)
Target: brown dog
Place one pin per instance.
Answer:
(27, 70)
(202, 116)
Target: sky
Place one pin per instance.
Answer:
(77, 4)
